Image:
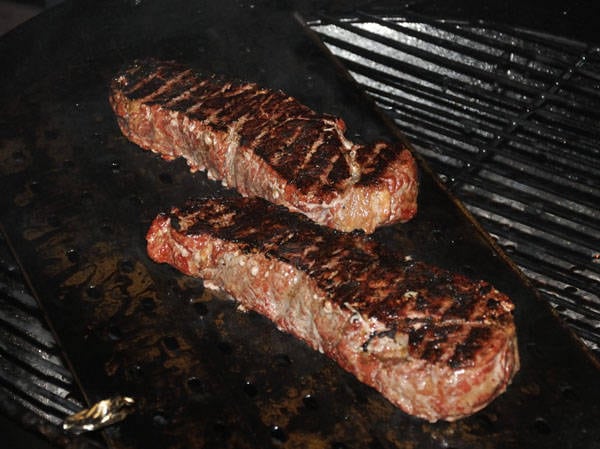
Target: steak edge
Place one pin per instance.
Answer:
(435, 344)
(267, 144)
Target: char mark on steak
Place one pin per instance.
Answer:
(266, 144)
(436, 344)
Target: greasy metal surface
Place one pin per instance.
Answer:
(78, 200)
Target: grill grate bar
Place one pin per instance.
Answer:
(482, 50)
(457, 67)
(508, 118)
(570, 221)
(38, 361)
(448, 79)
(33, 378)
(557, 263)
(40, 392)
(570, 236)
(481, 121)
(509, 41)
(474, 122)
(558, 75)
(12, 394)
(565, 285)
(580, 129)
(510, 165)
(437, 63)
(534, 252)
(27, 325)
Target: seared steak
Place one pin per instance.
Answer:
(267, 144)
(436, 344)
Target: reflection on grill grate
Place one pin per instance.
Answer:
(509, 119)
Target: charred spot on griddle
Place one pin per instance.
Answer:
(196, 385)
(278, 434)
(114, 333)
(51, 134)
(171, 343)
(282, 360)
(126, 266)
(310, 402)
(165, 178)
(95, 291)
(250, 388)
(225, 347)
(200, 308)
(73, 255)
(148, 304)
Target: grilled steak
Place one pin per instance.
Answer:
(267, 144)
(436, 344)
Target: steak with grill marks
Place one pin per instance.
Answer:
(267, 144)
(436, 344)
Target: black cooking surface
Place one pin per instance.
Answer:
(79, 198)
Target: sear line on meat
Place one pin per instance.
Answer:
(265, 143)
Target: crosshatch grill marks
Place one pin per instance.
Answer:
(264, 143)
(147, 87)
(413, 297)
(190, 97)
(319, 161)
(143, 87)
(394, 325)
(175, 89)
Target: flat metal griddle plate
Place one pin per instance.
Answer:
(77, 203)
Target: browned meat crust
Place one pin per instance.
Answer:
(267, 144)
(436, 344)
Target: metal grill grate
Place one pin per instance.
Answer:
(33, 378)
(510, 120)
